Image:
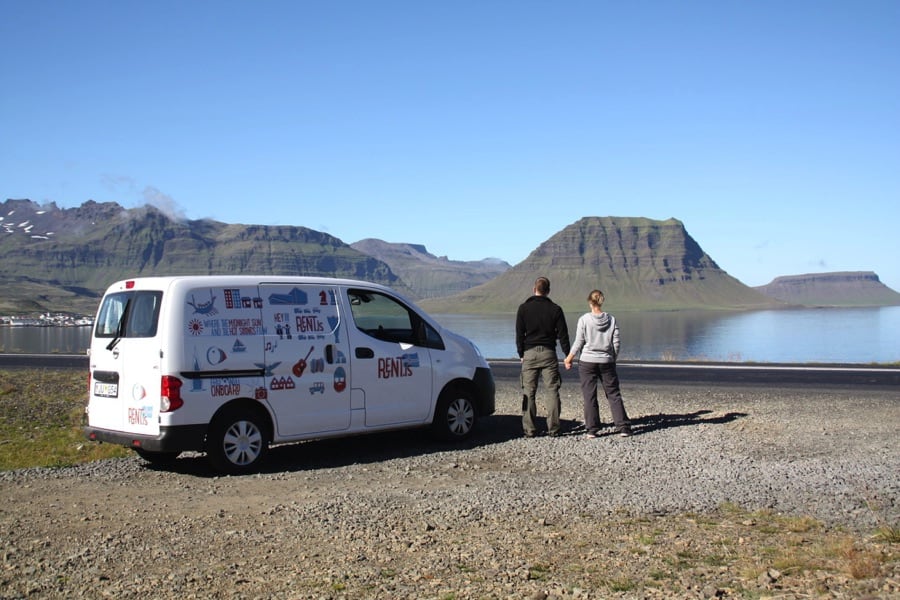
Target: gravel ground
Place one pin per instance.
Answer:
(723, 492)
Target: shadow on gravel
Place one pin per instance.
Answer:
(361, 449)
(650, 423)
(379, 447)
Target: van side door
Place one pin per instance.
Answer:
(305, 358)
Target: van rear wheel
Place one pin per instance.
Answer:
(454, 417)
(237, 442)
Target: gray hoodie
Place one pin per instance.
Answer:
(597, 338)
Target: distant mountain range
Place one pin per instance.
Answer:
(63, 259)
(854, 288)
(430, 276)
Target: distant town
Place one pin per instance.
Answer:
(47, 320)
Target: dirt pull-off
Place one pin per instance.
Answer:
(722, 492)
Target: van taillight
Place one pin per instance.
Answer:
(170, 394)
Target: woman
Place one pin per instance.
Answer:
(597, 338)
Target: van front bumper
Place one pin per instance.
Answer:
(170, 439)
(486, 390)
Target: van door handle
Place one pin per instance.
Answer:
(364, 353)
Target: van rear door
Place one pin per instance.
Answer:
(124, 363)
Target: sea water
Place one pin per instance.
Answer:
(827, 335)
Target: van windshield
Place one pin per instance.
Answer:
(138, 311)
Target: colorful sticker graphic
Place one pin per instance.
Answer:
(232, 298)
(333, 325)
(300, 366)
(215, 356)
(204, 308)
(295, 296)
(340, 379)
(269, 370)
(196, 383)
(282, 383)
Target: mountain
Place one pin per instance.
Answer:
(430, 276)
(62, 260)
(638, 263)
(849, 288)
(57, 259)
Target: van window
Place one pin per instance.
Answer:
(384, 318)
(139, 309)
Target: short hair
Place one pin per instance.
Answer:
(595, 298)
(542, 286)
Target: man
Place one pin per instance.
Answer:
(539, 324)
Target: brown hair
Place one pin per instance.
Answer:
(595, 298)
(542, 286)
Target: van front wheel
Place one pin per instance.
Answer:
(237, 443)
(454, 417)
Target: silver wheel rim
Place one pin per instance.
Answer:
(242, 443)
(460, 416)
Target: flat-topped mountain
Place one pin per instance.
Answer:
(847, 288)
(638, 263)
(431, 276)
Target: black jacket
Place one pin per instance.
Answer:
(540, 322)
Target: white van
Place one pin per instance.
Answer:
(228, 365)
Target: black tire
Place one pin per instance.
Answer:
(455, 415)
(161, 459)
(237, 443)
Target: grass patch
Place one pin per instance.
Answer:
(539, 572)
(41, 413)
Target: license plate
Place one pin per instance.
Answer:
(106, 390)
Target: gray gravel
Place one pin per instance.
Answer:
(380, 515)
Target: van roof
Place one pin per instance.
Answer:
(225, 280)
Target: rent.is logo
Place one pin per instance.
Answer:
(401, 366)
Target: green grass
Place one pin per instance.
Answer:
(41, 414)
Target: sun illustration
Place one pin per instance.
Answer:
(195, 327)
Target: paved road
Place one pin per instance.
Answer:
(887, 378)
(852, 376)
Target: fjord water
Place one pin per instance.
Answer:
(828, 335)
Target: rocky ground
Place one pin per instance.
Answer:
(728, 492)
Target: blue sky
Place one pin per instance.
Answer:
(477, 128)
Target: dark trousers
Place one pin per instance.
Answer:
(604, 373)
(536, 362)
